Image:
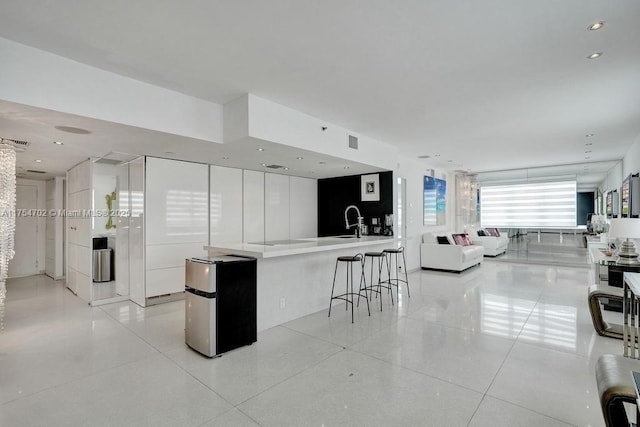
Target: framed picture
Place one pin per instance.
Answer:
(370, 186)
(434, 201)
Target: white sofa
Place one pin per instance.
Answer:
(493, 246)
(437, 256)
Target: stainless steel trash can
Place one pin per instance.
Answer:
(102, 265)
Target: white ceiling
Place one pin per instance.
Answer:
(489, 85)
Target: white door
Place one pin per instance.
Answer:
(25, 261)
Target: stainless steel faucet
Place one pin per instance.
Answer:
(358, 224)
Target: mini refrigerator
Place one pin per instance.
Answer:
(220, 303)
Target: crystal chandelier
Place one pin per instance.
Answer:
(7, 216)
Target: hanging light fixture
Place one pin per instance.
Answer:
(7, 216)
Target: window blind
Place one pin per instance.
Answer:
(531, 205)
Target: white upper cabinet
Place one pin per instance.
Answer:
(177, 221)
(276, 207)
(303, 202)
(253, 206)
(176, 202)
(225, 202)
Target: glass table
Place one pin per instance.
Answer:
(631, 315)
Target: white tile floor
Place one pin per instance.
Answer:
(500, 345)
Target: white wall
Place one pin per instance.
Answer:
(613, 180)
(41, 79)
(177, 223)
(414, 173)
(251, 116)
(630, 164)
(631, 160)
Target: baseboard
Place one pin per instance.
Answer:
(161, 299)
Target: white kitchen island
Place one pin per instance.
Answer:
(295, 276)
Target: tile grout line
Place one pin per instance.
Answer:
(291, 377)
(236, 406)
(414, 371)
(515, 341)
(531, 410)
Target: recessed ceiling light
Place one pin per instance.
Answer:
(437, 155)
(260, 149)
(299, 158)
(71, 129)
(58, 143)
(595, 55)
(225, 158)
(587, 157)
(589, 135)
(596, 26)
(449, 161)
(588, 144)
(169, 152)
(588, 151)
(286, 168)
(322, 163)
(346, 167)
(38, 160)
(263, 164)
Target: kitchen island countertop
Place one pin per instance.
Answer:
(279, 248)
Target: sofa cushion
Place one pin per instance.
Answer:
(462, 239)
(493, 232)
(443, 240)
(482, 233)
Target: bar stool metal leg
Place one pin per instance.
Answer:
(392, 255)
(363, 286)
(332, 287)
(375, 286)
(406, 277)
(349, 295)
(389, 288)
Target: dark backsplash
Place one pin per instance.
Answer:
(335, 194)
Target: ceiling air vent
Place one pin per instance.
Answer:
(18, 145)
(35, 171)
(426, 156)
(275, 167)
(353, 142)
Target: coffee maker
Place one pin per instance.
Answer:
(376, 228)
(388, 225)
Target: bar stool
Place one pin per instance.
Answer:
(376, 287)
(390, 254)
(349, 294)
